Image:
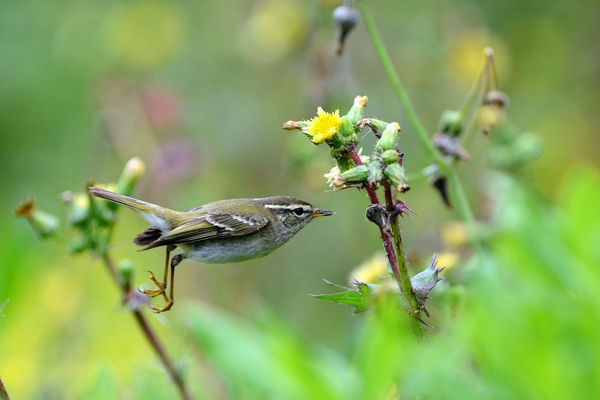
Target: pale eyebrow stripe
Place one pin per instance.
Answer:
(289, 207)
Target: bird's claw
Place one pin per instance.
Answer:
(154, 292)
(167, 307)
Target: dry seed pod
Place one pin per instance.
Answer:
(345, 19)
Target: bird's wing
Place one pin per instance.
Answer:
(211, 226)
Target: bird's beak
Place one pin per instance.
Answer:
(317, 212)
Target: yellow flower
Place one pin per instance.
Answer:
(455, 235)
(324, 126)
(447, 259)
(371, 270)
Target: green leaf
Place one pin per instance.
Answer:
(269, 360)
(360, 297)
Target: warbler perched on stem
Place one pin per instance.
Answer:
(224, 231)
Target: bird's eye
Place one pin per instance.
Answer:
(298, 211)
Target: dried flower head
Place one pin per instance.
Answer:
(332, 177)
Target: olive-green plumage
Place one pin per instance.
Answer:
(223, 231)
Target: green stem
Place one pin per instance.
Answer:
(462, 203)
(464, 210)
(398, 87)
(397, 262)
(403, 277)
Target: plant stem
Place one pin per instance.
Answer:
(3, 392)
(149, 333)
(463, 207)
(403, 277)
(398, 268)
(464, 210)
(398, 87)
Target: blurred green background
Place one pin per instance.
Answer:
(199, 91)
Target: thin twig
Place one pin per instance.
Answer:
(149, 333)
(3, 393)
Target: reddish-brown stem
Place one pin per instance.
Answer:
(401, 277)
(402, 271)
(370, 190)
(149, 333)
(387, 243)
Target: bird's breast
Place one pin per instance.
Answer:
(231, 250)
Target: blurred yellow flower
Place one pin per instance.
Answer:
(272, 30)
(455, 235)
(447, 259)
(465, 55)
(490, 116)
(134, 168)
(371, 270)
(324, 126)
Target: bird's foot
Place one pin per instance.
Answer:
(167, 307)
(155, 292)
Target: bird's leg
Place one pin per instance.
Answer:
(160, 285)
(174, 262)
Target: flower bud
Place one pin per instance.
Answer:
(389, 137)
(126, 270)
(347, 131)
(496, 98)
(356, 174)
(451, 122)
(375, 125)
(357, 111)
(43, 223)
(79, 245)
(293, 125)
(345, 19)
(449, 146)
(132, 172)
(395, 174)
(424, 282)
(526, 147)
(375, 172)
(78, 206)
(440, 184)
(529, 147)
(390, 156)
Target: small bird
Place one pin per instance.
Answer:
(224, 231)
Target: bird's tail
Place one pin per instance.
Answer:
(158, 216)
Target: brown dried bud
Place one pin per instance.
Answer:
(496, 98)
(449, 146)
(440, 184)
(291, 125)
(345, 19)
